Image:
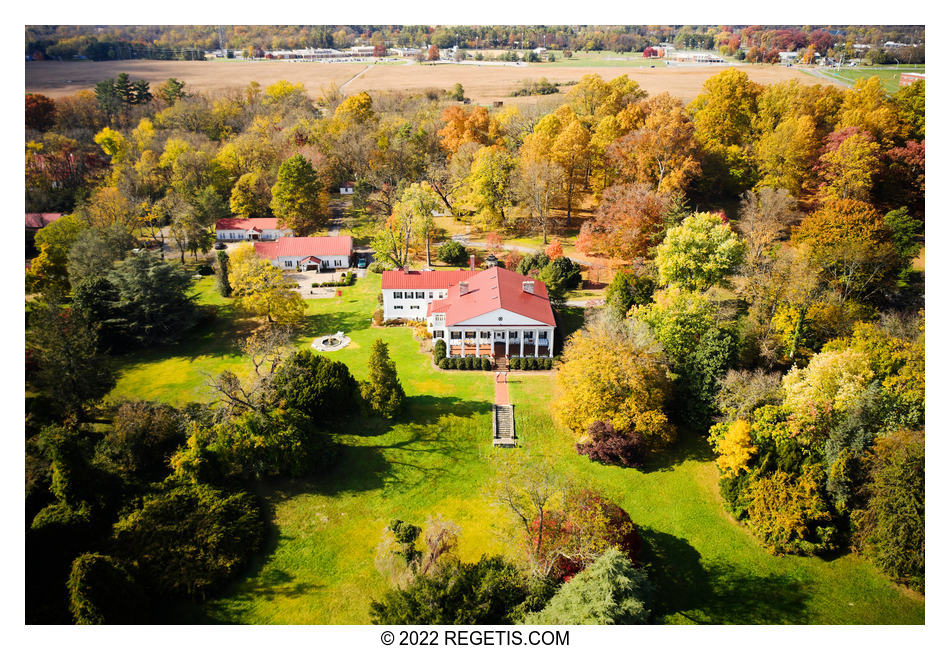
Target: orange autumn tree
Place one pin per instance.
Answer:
(554, 250)
(462, 126)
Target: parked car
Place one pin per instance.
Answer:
(361, 263)
(219, 246)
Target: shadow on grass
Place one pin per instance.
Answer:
(687, 447)
(690, 590)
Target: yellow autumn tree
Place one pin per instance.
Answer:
(260, 288)
(613, 371)
(786, 155)
(735, 448)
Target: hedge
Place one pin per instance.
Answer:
(531, 363)
(465, 363)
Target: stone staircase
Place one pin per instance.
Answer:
(503, 425)
(501, 363)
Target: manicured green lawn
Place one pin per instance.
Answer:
(889, 75)
(436, 460)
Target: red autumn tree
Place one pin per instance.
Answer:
(432, 54)
(554, 250)
(574, 537)
(40, 112)
(628, 222)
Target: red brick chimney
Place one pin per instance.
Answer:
(471, 262)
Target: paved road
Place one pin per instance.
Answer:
(465, 240)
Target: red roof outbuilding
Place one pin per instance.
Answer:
(261, 223)
(39, 220)
(305, 246)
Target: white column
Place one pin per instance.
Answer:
(521, 340)
(463, 343)
(506, 342)
(551, 343)
(537, 337)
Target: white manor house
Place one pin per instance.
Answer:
(488, 313)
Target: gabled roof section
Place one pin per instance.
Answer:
(424, 279)
(305, 246)
(494, 289)
(261, 223)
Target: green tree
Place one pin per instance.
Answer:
(96, 250)
(70, 370)
(153, 302)
(483, 593)
(452, 252)
(383, 393)
(49, 270)
(298, 198)
(187, 539)
(627, 289)
(322, 389)
(698, 253)
(890, 523)
(251, 196)
(611, 591)
(221, 275)
(172, 90)
(101, 592)
(421, 201)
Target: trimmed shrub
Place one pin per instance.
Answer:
(204, 269)
(377, 267)
(515, 363)
(378, 317)
(438, 350)
(486, 363)
(444, 363)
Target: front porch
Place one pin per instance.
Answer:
(534, 342)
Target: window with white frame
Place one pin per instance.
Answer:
(336, 262)
(413, 306)
(397, 307)
(288, 262)
(455, 335)
(397, 294)
(420, 294)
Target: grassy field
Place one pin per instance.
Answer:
(437, 459)
(889, 75)
(483, 84)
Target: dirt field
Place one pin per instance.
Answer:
(482, 83)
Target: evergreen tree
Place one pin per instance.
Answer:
(223, 285)
(383, 393)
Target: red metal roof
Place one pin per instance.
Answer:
(247, 224)
(492, 289)
(424, 279)
(41, 219)
(305, 246)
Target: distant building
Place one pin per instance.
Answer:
(347, 187)
(788, 57)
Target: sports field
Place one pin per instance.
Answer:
(485, 83)
(889, 75)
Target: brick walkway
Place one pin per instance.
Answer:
(501, 388)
